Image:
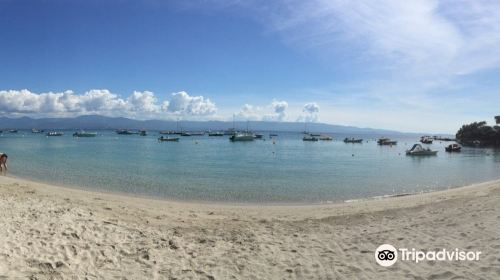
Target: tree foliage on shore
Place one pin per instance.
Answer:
(469, 134)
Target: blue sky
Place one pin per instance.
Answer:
(406, 65)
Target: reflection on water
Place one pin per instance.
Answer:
(212, 168)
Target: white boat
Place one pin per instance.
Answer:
(418, 150)
(426, 140)
(54, 133)
(453, 148)
(310, 138)
(386, 141)
(242, 136)
(168, 139)
(82, 133)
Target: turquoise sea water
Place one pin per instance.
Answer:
(215, 169)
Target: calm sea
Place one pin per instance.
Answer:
(215, 169)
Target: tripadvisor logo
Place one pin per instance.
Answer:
(387, 255)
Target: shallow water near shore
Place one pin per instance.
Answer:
(214, 169)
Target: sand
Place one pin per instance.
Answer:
(50, 232)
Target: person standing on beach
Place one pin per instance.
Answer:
(3, 163)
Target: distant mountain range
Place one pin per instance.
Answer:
(102, 122)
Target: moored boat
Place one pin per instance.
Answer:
(125, 132)
(168, 139)
(82, 133)
(34, 130)
(386, 141)
(55, 133)
(197, 133)
(426, 140)
(310, 138)
(353, 140)
(143, 133)
(216, 133)
(242, 136)
(13, 131)
(453, 148)
(167, 132)
(325, 138)
(418, 150)
(258, 136)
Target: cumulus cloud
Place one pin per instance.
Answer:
(249, 112)
(310, 112)
(276, 111)
(279, 108)
(311, 108)
(183, 103)
(103, 102)
(143, 102)
(27, 102)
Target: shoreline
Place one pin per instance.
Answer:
(51, 232)
(239, 203)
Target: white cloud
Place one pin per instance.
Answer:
(310, 113)
(311, 108)
(97, 101)
(249, 112)
(103, 102)
(182, 103)
(279, 108)
(421, 41)
(276, 111)
(143, 102)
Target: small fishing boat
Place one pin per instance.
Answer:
(386, 141)
(82, 133)
(215, 134)
(453, 148)
(258, 136)
(168, 139)
(197, 133)
(167, 132)
(55, 133)
(325, 138)
(310, 138)
(353, 140)
(13, 131)
(242, 136)
(125, 132)
(143, 133)
(34, 130)
(426, 140)
(418, 150)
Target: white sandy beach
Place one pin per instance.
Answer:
(50, 232)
